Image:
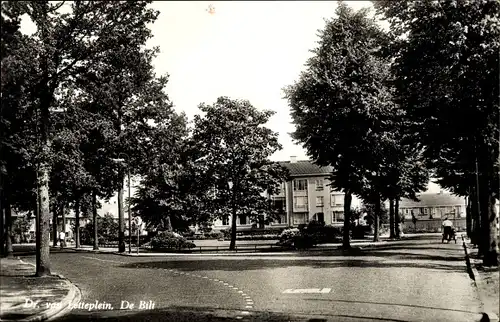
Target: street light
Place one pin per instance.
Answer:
(121, 243)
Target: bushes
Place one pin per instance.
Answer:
(167, 240)
(214, 235)
(289, 233)
(324, 233)
(310, 236)
(295, 238)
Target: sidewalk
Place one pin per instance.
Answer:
(486, 280)
(24, 297)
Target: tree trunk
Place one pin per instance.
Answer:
(232, 245)
(490, 257)
(121, 221)
(346, 238)
(43, 174)
(54, 226)
(37, 225)
(392, 233)
(474, 210)
(94, 219)
(396, 218)
(63, 218)
(2, 212)
(2, 229)
(468, 217)
(43, 265)
(77, 222)
(376, 220)
(168, 223)
(488, 222)
(8, 230)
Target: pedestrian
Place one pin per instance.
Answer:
(447, 229)
(62, 239)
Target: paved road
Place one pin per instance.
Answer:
(418, 280)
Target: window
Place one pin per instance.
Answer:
(319, 185)
(279, 205)
(337, 200)
(300, 185)
(225, 221)
(243, 219)
(300, 202)
(337, 216)
(299, 219)
(406, 211)
(319, 201)
(281, 219)
(425, 211)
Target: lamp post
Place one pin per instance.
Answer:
(121, 242)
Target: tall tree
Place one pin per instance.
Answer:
(342, 106)
(235, 145)
(17, 120)
(447, 64)
(65, 45)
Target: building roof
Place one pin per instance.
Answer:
(305, 167)
(432, 200)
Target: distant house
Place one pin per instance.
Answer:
(434, 206)
(70, 222)
(306, 197)
(431, 210)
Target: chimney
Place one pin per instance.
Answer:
(293, 159)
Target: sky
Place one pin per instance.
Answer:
(244, 49)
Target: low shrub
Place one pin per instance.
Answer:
(168, 240)
(324, 233)
(289, 233)
(214, 235)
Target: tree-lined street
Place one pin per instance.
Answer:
(414, 280)
(386, 101)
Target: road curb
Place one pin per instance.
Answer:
(488, 314)
(74, 296)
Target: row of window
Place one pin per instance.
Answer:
(301, 202)
(301, 184)
(433, 210)
(244, 220)
(335, 217)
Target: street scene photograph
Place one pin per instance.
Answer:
(275, 161)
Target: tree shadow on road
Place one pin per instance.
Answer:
(260, 264)
(196, 314)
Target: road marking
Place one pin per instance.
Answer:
(307, 291)
(103, 260)
(248, 301)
